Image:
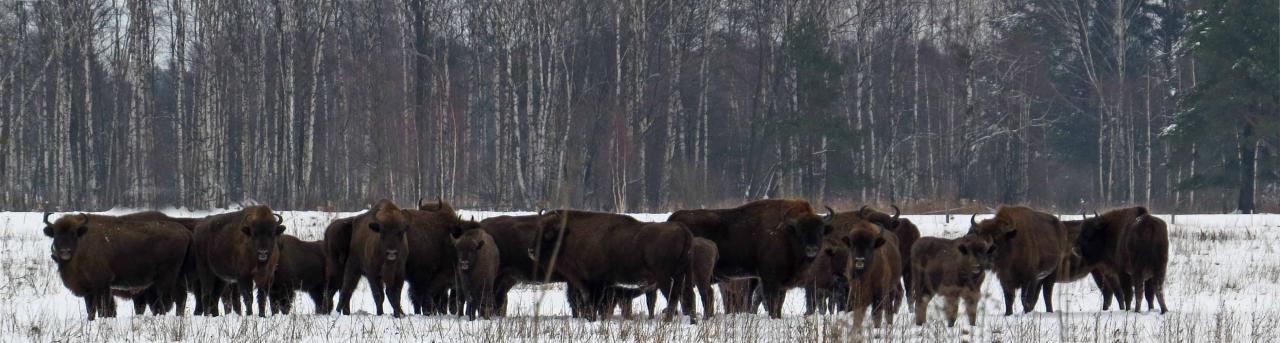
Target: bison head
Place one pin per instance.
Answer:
(977, 254)
(998, 231)
(808, 229)
(863, 241)
(263, 229)
(837, 255)
(468, 248)
(391, 225)
(66, 233)
(1097, 238)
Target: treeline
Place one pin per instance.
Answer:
(624, 105)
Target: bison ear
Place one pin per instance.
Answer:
(1011, 234)
(963, 249)
(245, 230)
(375, 227)
(48, 231)
(879, 241)
(479, 244)
(279, 230)
(826, 229)
(80, 231)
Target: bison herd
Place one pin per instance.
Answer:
(856, 261)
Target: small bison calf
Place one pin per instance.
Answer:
(301, 268)
(478, 266)
(953, 268)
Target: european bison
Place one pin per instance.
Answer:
(429, 270)
(701, 274)
(377, 249)
(96, 254)
(478, 268)
(594, 251)
(827, 288)
(1075, 268)
(1135, 245)
(1031, 245)
(301, 267)
(237, 248)
(774, 240)
(953, 268)
(190, 281)
(874, 268)
(903, 228)
(513, 235)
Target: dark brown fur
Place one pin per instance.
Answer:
(190, 279)
(429, 270)
(874, 268)
(237, 247)
(1032, 246)
(952, 268)
(478, 269)
(108, 253)
(1135, 245)
(774, 240)
(301, 267)
(602, 250)
(827, 288)
(378, 250)
(1074, 268)
(903, 228)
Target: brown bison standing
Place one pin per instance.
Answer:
(774, 240)
(1133, 244)
(1074, 268)
(513, 235)
(903, 228)
(429, 270)
(96, 254)
(301, 267)
(372, 244)
(953, 268)
(595, 251)
(874, 268)
(478, 268)
(827, 288)
(237, 248)
(1031, 247)
(190, 281)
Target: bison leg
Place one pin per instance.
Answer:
(140, 302)
(393, 296)
(377, 291)
(1156, 285)
(350, 278)
(91, 305)
(812, 300)
(1008, 298)
(1101, 282)
(1046, 290)
(246, 295)
(922, 307)
(1029, 296)
(774, 296)
(971, 307)
(708, 296)
(1126, 286)
(952, 309)
(651, 302)
(1139, 288)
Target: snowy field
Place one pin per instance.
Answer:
(1223, 286)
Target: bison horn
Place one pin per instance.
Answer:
(46, 218)
(973, 220)
(279, 219)
(862, 210)
(1095, 213)
(896, 212)
(1084, 215)
(830, 213)
(420, 199)
(86, 219)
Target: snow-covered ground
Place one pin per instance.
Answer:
(1223, 285)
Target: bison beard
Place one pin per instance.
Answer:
(773, 240)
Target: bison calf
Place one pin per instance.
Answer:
(301, 267)
(953, 268)
(478, 268)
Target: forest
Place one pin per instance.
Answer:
(640, 105)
